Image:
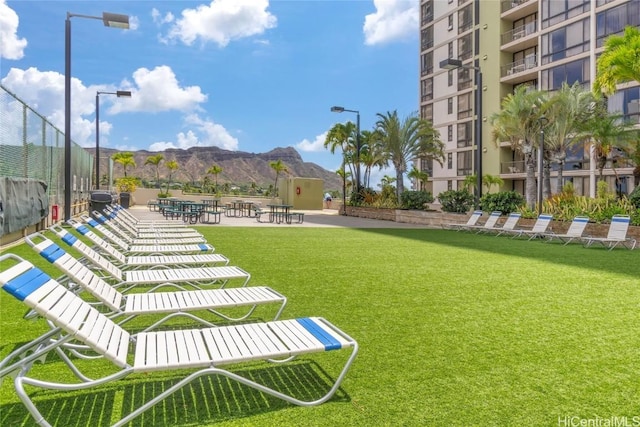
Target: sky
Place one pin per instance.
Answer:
(245, 75)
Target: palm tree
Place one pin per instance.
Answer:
(406, 140)
(420, 176)
(343, 135)
(125, 158)
(608, 132)
(518, 122)
(470, 182)
(155, 160)
(619, 62)
(172, 165)
(491, 180)
(215, 170)
(371, 154)
(566, 110)
(277, 166)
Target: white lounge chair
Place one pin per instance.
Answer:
(508, 226)
(147, 232)
(133, 304)
(617, 234)
(135, 262)
(132, 240)
(575, 231)
(194, 277)
(204, 351)
(538, 230)
(143, 248)
(471, 222)
(159, 224)
(490, 223)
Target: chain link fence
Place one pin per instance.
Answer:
(32, 147)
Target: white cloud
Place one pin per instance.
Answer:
(220, 22)
(315, 145)
(159, 19)
(134, 23)
(44, 92)
(11, 46)
(205, 133)
(393, 20)
(158, 90)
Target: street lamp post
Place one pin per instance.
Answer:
(542, 121)
(119, 94)
(337, 109)
(110, 20)
(452, 64)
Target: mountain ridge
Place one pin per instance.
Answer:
(238, 167)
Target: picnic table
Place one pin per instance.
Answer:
(279, 213)
(240, 208)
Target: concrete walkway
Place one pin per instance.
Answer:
(315, 218)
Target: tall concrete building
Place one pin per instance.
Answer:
(542, 43)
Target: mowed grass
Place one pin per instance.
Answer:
(453, 328)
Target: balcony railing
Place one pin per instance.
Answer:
(510, 4)
(531, 61)
(519, 32)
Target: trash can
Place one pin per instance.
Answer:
(99, 201)
(125, 200)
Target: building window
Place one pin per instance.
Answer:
(450, 106)
(426, 66)
(464, 78)
(465, 47)
(427, 11)
(627, 103)
(464, 106)
(464, 134)
(450, 78)
(556, 11)
(465, 19)
(614, 20)
(576, 71)
(450, 27)
(426, 89)
(449, 184)
(464, 163)
(565, 42)
(450, 133)
(426, 38)
(450, 49)
(449, 160)
(426, 112)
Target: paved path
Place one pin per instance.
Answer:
(314, 218)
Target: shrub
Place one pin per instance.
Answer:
(634, 197)
(458, 201)
(127, 184)
(416, 199)
(504, 201)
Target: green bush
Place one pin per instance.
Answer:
(504, 201)
(634, 197)
(459, 201)
(416, 199)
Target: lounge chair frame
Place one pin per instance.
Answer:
(617, 234)
(204, 350)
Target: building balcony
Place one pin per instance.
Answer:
(520, 71)
(519, 38)
(513, 10)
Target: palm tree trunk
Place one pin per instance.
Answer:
(546, 180)
(400, 184)
(560, 178)
(530, 183)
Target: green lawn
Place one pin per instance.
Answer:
(453, 328)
